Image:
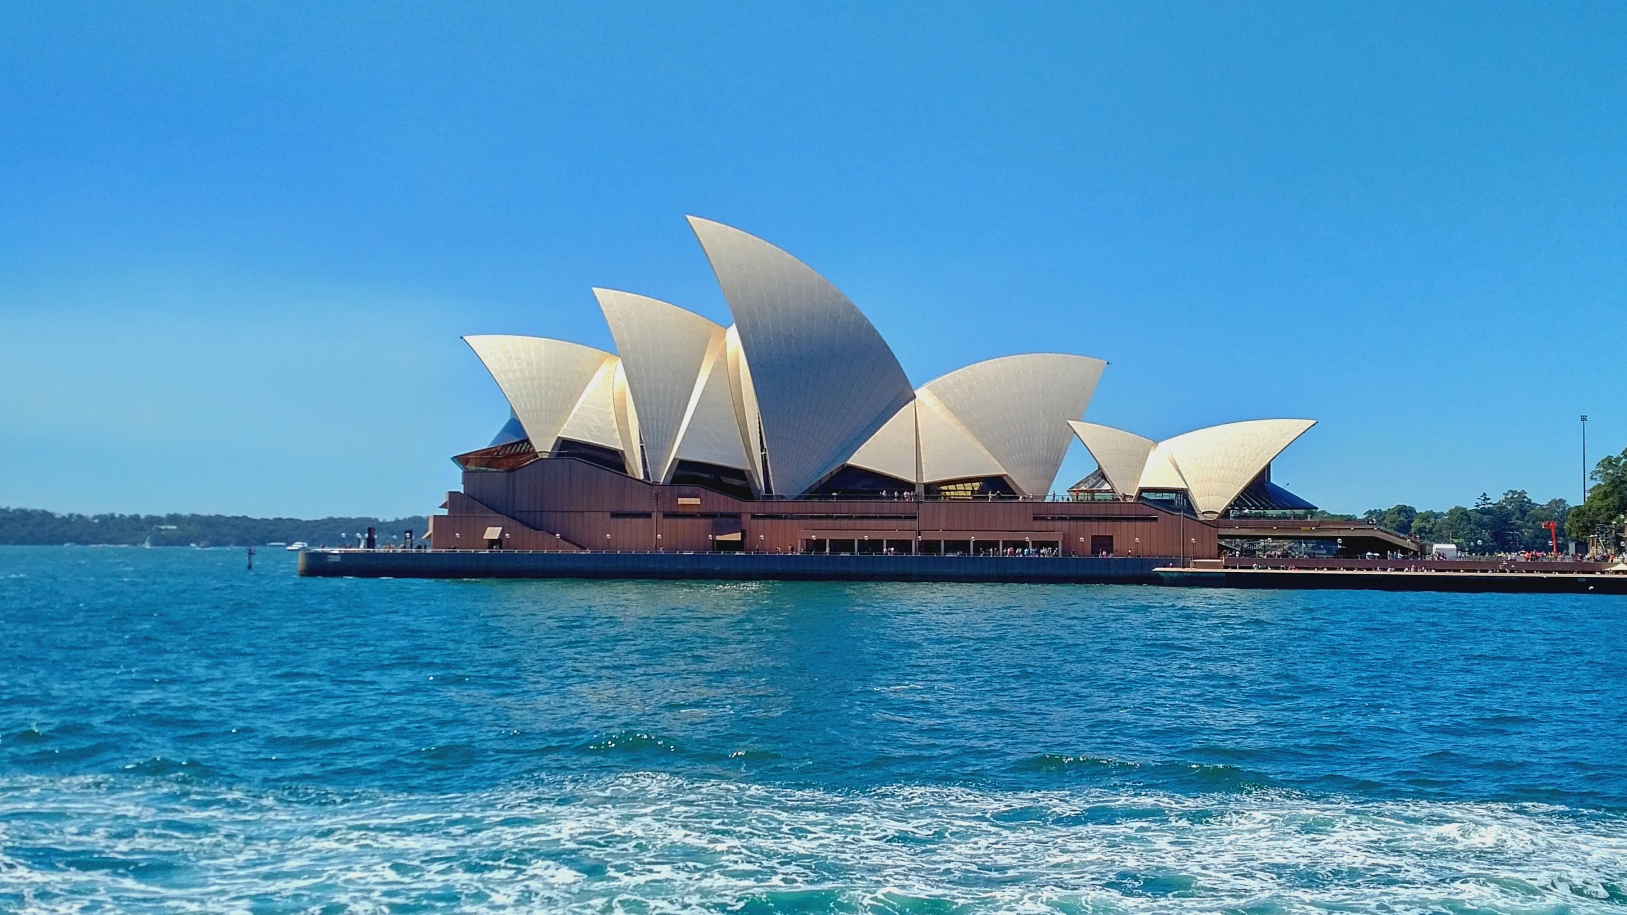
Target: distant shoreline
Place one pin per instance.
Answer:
(38, 527)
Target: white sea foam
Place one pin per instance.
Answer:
(652, 843)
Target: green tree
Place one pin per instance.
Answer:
(1467, 529)
(1600, 516)
(1426, 527)
(1510, 524)
(1535, 536)
(1397, 518)
(33, 526)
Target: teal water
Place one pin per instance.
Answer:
(178, 734)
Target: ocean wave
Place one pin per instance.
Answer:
(659, 843)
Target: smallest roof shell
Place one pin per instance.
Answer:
(1213, 464)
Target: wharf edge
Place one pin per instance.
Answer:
(728, 566)
(347, 563)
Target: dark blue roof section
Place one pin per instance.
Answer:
(1096, 482)
(512, 431)
(1264, 495)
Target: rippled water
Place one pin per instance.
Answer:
(179, 734)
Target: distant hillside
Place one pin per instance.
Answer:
(27, 526)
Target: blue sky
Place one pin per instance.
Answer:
(238, 243)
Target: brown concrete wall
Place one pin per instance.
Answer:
(588, 507)
(464, 526)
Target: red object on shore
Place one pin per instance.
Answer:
(1553, 534)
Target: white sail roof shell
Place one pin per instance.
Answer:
(543, 379)
(1213, 465)
(825, 380)
(593, 419)
(892, 450)
(1219, 461)
(663, 349)
(1018, 408)
(1160, 471)
(746, 415)
(948, 450)
(928, 442)
(710, 431)
(1122, 456)
(627, 424)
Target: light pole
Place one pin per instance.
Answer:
(1584, 457)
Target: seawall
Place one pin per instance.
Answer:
(349, 563)
(728, 566)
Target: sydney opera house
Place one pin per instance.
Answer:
(795, 430)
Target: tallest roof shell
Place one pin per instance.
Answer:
(825, 379)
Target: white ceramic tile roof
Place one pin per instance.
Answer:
(1217, 462)
(1018, 408)
(593, 419)
(825, 379)
(710, 432)
(803, 376)
(662, 348)
(745, 406)
(1122, 456)
(1160, 471)
(892, 449)
(627, 424)
(543, 379)
(948, 450)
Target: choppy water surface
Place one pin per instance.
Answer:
(179, 734)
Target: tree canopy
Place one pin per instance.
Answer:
(1606, 503)
(1511, 524)
(27, 526)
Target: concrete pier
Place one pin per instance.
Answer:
(727, 566)
(349, 563)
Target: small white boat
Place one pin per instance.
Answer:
(296, 546)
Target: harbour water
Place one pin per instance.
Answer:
(180, 734)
